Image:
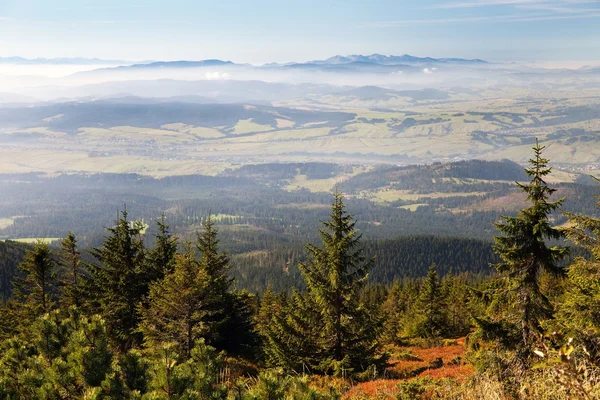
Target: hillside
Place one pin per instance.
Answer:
(374, 125)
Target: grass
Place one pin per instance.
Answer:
(6, 222)
(247, 126)
(284, 123)
(414, 207)
(198, 132)
(220, 217)
(42, 130)
(35, 240)
(391, 195)
(314, 185)
(322, 185)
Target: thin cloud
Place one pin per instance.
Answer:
(488, 3)
(557, 8)
(493, 18)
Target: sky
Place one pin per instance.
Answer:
(260, 31)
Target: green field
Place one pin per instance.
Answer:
(490, 123)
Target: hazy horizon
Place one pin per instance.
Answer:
(268, 31)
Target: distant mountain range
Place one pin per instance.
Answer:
(352, 64)
(181, 64)
(355, 60)
(395, 60)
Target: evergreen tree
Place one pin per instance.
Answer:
(457, 313)
(179, 306)
(230, 312)
(579, 311)
(431, 307)
(267, 309)
(35, 288)
(70, 261)
(195, 378)
(521, 307)
(216, 264)
(394, 308)
(119, 282)
(162, 257)
(327, 328)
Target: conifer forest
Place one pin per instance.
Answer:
(148, 314)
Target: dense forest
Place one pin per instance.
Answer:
(147, 314)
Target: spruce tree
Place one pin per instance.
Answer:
(179, 306)
(230, 311)
(521, 307)
(579, 312)
(215, 263)
(457, 313)
(70, 261)
(162, 257)
(327, 329)
(394, 309)
(120, 282)
(430, 306)
(35, 288)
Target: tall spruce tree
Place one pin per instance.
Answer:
(523, 245)
(35, 288)
(327, 329)
(70, 261)
(119, 282)
(230, 311)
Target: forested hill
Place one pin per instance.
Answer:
(463, 176)
(402, 257)
(394, 259)
(11, 254)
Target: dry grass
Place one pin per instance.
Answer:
(414, 362)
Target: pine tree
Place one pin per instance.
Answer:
(70, 261)
(179, 306)
(36, 288)
(327, 329)
(120, 282)
(195, 378)
(522, 307)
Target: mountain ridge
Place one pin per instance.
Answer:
(387, 60)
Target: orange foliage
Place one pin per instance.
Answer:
(453, 368)
(458, 372)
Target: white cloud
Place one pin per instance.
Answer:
(215, 76)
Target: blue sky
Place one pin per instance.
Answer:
(258, 31)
